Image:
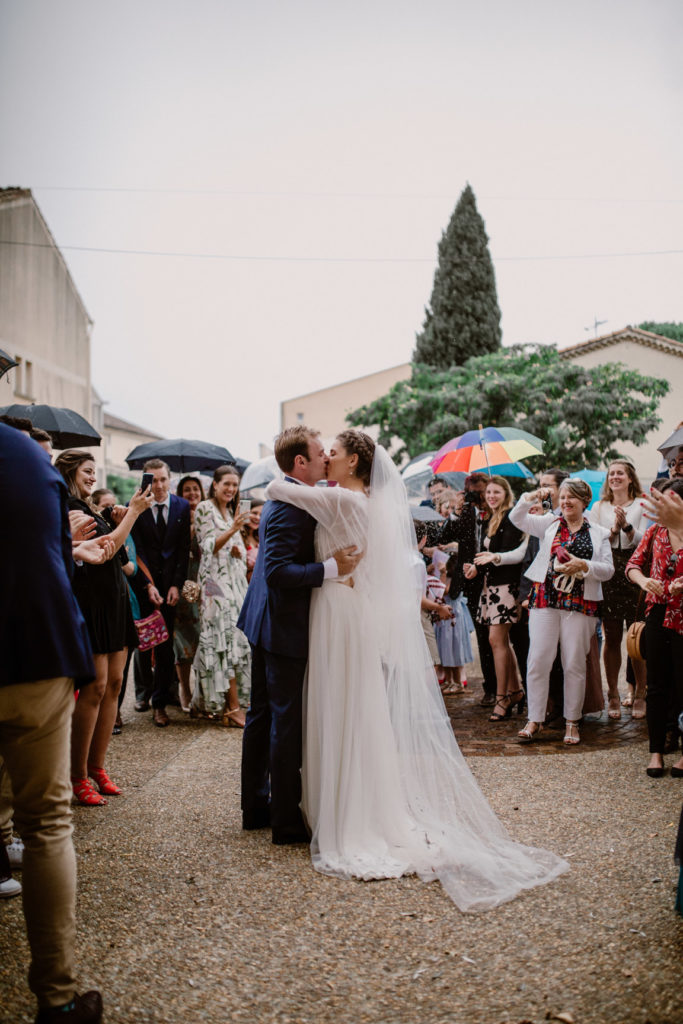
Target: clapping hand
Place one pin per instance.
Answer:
(95, 551)
(619, 519)
(666, 509)
(82, 526)
(484, 557)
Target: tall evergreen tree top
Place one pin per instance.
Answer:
(463, 318)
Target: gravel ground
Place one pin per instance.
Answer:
(184, 918)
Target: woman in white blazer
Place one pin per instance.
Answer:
(573, 560)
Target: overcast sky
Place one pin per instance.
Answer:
(303, 159)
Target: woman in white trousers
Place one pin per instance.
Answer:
(574, 558)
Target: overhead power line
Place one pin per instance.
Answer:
(303, 194)
(332, 259)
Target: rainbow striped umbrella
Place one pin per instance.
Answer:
(487, 446)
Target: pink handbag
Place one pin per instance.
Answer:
(151, 631)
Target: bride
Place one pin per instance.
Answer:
(386, 791)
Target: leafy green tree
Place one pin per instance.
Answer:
(463, 318)
(124, 487)
(583, 414)
(668, 330)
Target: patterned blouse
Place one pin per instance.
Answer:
(666, 566)
(545, 595)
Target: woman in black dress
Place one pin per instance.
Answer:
(502, 550)
(102, 595)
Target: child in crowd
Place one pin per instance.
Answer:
(452, 634)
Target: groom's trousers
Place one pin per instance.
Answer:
(271, 750)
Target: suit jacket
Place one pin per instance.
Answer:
(275, 611)
(600, 566)
(42, 632)
(167, 561)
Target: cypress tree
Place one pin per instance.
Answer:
(463, 318)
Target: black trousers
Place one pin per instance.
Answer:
(664, 657)
(272, 742)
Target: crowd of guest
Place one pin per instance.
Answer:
(549, 577)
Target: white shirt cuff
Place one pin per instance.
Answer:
(330, 569)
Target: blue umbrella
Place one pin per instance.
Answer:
(595, 478)
(511, 469)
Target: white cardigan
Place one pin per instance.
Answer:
(603, 514)
(600, 566)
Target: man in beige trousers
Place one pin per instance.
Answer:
(45, 652)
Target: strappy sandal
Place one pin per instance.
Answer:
(627, 702)
(527, 734)
(104, 783)
(614, 707)
(230, 721)
(502, 701)
(639, 707)
(517, 698)
(85, 793)
(569, 738)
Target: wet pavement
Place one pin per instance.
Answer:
(480, 738)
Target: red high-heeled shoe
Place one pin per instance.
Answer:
(104, 783)
(85, 793)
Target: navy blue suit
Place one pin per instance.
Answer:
(274, 618)
(42, 632)
(167, 561)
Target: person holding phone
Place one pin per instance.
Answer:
(222, 661)
(102, 595)
(574, 559)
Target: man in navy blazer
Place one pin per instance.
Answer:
(162, 542)
(274, 618)
(45, 651)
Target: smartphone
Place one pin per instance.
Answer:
(245, 505)
(146, 481)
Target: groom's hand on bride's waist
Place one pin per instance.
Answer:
(347, 559)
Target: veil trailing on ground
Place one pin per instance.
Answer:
(470, 851)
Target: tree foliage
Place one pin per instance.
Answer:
(583, 414)
(463, 318)
(667, 330)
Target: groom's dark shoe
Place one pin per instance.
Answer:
(252, 820)
(289, 837)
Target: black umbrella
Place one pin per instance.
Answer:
(67, 428)
(183, 456)
(6, 362)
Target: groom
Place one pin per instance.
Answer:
(274, 618)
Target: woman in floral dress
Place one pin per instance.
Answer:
(221, 664)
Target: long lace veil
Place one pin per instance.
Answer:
(474, 857)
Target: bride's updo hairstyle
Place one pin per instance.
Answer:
(355, 442)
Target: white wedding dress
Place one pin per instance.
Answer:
(386, 790)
